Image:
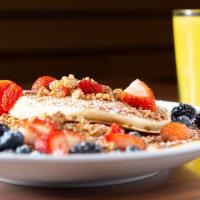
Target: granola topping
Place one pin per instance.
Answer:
(95, 132)
(71, 82)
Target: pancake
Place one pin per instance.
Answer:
(30, 106)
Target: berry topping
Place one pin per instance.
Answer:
(11, 140)
(42, 82)
(183, 109)
(3, 128)
(115, 128)
(10, 96)
(132, 149)
(122, 141)
(197, 120)
(52, 143)
(3, 86)
(138, 94)
(42, 126)
(183, 119)
(175, 131)
(86, 147)
(89, 86)
(72, 138)
(41, 144)
(24, 149)
(30, 134)
(33, 129)
(135, 133)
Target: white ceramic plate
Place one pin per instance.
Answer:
(91, 169)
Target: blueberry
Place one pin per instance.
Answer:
(135, 133)
(3, 128)
(25, 149)
(86, 147)
(132, 149)
(11, 140)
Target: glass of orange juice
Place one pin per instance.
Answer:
(186, 26)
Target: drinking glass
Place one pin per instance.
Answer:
(186, 27)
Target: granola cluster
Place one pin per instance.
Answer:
(68, 86)
(10, 121)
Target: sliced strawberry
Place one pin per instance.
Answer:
(89, 87)
(1, 110)
(43, 81)
(33, 129)
(29, 133)
(72, 138)
(41, 144)
(122, 141)
(45, 136)
(4, 84)
(175, 131)
(115, 128)
(10, 96)
(57, 143)
(138, 94)
(43, 126)
(53, 143)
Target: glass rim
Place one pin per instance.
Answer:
(186, 12)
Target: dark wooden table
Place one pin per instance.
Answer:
(180, 183)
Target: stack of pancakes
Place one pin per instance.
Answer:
(100, 112)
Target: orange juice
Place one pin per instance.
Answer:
(186, 25)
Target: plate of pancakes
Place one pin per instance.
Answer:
(79, 133)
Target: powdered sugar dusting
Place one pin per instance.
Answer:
(30, 105)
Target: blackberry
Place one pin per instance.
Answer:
(11, 140)
(183, 110)
(3, 128)
(184, 120)
(197, 120)
(86, 147)
(132, 149)
(24, 149)
(135, 133)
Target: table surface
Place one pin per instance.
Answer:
(180, 183)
